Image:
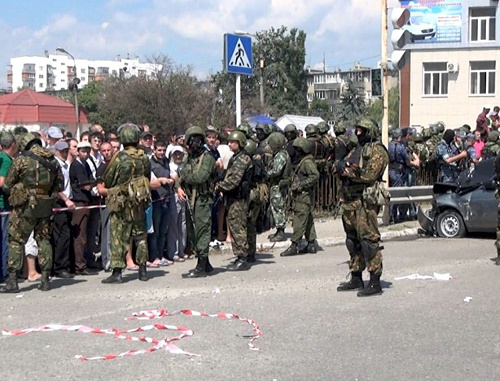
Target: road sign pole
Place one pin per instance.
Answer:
(238, 100)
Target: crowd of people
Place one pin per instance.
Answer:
(132, 201)
(440, 153)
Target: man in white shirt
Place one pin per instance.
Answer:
(61, 233)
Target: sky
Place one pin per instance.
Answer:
(189, 32)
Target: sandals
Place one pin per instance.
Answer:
(133, 268)
(178, 259)
(165, 262)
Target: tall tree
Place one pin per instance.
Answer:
(352, 104)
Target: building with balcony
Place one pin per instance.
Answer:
(53, 72)
(451, 73)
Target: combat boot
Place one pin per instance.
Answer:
(200, 270)
(143, 274)
(373, 287)
(251, 258)
(356, 282)
(11, 286)
(44, 281)
(208, 267)
(310, 248)
(292, 250)
(239, 264)
(279, 236)
(114, 278)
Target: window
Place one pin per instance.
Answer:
(319, 94)
(63, 64)
(482, 24)
(40, 85)
(482, 78)
(435, 78)
(40, 67)
(82, 78)
(82, 71)
(319, 79)
(40, 75)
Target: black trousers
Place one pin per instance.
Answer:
(61, 238)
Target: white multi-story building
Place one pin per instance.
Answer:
(452, 68)
(53, 72)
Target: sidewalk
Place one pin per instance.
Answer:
(330, 232)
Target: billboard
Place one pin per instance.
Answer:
(434, 20)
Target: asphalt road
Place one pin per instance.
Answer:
(416, 330)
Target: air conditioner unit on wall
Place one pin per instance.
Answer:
(452, 67)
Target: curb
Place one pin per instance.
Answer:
(324, 242)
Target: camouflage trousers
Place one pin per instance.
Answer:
(122, 231)
(237, 223)
(303, 221)
(497, 242)
(199, 227)
(254, 210)
(278, 207)
(20, 228)
(361, 228)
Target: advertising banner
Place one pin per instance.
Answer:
(434, 20)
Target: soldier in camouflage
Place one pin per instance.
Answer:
(197, 175)
(291, 135)
(491, 148)
(279, 173)
(363, 168)
(318, 150)
(304, 178)
(126, 180)
(263, 131)
(258, 197)
(326, 139)
(34, 181)
(247, 130)
(236, 189)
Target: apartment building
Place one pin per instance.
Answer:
(453, 61)
(53, 72)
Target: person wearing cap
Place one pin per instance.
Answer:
(176, 234)
(482, 119)
(61, 232)
(472, 158)
(448, 158)
(409, 211)
(81, 184)
(54, 134)
(9, 153)
(146, 143)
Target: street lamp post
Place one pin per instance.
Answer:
(261, 82)
(74, 87)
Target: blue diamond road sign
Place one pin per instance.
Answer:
(238, 54)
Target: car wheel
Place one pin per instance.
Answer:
(450, 224)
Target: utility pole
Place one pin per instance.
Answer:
(261, 82)
(385, 96)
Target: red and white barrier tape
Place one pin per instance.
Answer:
(165, 343)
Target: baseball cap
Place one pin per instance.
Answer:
(176, 149)
(145, 134)
(61, 145)
(55, 132)
(83, 145)
(470, 137)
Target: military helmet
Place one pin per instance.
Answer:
(493, 136)
(129, 133)
(267, 128)
(239, 137)
(290, 128)
(426, 133)
(323, 128)
(246, 129)
(340, 128)
(26, 139)
(251, 147)
(194, 131)
(311, 130)
(440, 127)
(418, 137)
(304, 144)
(276, 141)
(368, 125)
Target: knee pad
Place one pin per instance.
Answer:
(369, 250)
(352, 246)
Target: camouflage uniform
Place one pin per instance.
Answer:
(364, 166)
(236, 194)
(279, 172)
(128, 165)
(302, 191)
(491, 148)
(34, 179)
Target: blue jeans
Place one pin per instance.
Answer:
(4, 236)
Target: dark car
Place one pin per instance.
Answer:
(470, 206)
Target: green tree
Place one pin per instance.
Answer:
(375, 110)
(352, 104)
(321, 108)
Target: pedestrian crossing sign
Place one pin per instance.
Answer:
(238, 54)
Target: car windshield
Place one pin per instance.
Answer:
(417, 19)
(483, 171)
